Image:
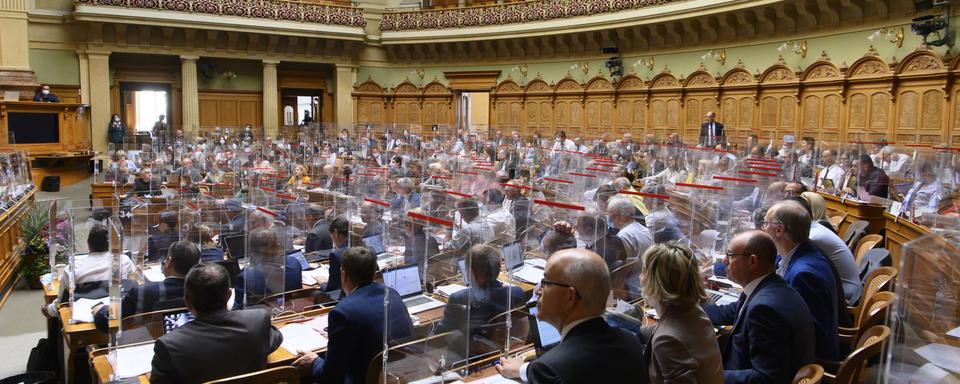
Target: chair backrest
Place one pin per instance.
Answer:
(835, 221)
(878, 280)
(519, 326)
(278, 375)
(619, 276)
(809, 374)
(866, 243)
(854, 232)
(413, 358)
(875, 312)
(870, 345)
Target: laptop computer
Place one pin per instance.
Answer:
(462, 263)
(545, 336)
(513, 259)
(236, 245)
(298, 254)
(375, 243)
(406, 281)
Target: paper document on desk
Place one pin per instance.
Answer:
(133, 361)
(941, 355)
(301, 337)
(495, 379)
(82, 309)
(315, 276)
(154, 275)
(318, 324)
(449, 290)
(538, 262)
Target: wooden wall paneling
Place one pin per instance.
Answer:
(700, 96)
(665, 114)
(600, 111)
(506, 106)
(538, 108)
(953, 122)
(921, 104)
(66, 93)
(824, 118)
(230, 109)
(437, 104)
(738, 103)
(407, 99)
(779, 88)
(369, 99)
(631, 106)
(569, 108)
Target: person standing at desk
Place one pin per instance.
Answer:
(711, 132)
(356, 323)
(116, 130)
(160, 131)
(45, 96)
(572, 298)
(218, 343)
(772, 333)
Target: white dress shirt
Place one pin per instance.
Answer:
(636, 239)
(835, 174)
(785, 261)
(502, 223)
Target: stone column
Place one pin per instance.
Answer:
(15, 72)
(191, 101)
(346, 76)
(271, 103)
(98, 96)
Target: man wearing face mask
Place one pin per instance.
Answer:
(45, 96)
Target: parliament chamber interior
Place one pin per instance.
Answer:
(497, 191)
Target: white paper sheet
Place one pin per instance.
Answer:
(448, 290)
(154, 274)
(318, 324)
(495, 379)
(301, 337)
(133, 361)
(941, 355)
(82, 309)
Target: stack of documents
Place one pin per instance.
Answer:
(449, 290)
(301, 337)
(133, 361)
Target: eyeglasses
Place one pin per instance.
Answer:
(771, 223)
(732, 255)
(544, 282)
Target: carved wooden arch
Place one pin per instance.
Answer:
(369, 88)
(508, 86)
(821, 70)
(630, 83)
(599, 84)
(538, 87)
(778, 73)
(664, 80)
(568, 85)
(700, 79)
(737, 76)
(436, 88)
(406, 88)
(955, 63)
(869, 65)
(920, 61)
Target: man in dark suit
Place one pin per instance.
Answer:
(355, 325)
(805, 268)
(217, 343)
(572, 298)
(144, 185)
(340, 238)
(772, 329)
(156, 296)
(711, 132)
(318, 237)
(418, 245)
(165, 234)
(235, 212)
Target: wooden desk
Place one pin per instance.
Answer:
(855, 210)
(900, 231)
(10, 243)
(65, 121)
(51, 291)
(76, 337)
(105, 192)
(72, 167)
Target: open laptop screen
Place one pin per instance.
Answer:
(547, 335)
(462, 263)
(375, 243)
(513, 255)
(236, 245)
(405, 280)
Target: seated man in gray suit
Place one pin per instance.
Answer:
(218, 343)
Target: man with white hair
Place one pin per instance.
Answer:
(572, 298)
(636, 238)
(406, 197)
(890, 161)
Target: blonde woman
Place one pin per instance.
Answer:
(818, 209)
(299, 177)
(681, 347)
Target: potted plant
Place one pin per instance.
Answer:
(35, 232)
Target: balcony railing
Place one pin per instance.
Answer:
(283, 10)
(510, 13)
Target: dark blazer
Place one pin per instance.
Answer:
(522, 211)
(152, 296)
(211, 254)
(419, 247)
(877, 183)
(355, 333)
(116, 132)
(333, 281)
(255, 280)
(158, 243)
(592, 352)
(810, 273)
(141, 188)
(611, 248)
(483, 303)
(718, 134)
(318, 238)
(198, 351)
(772, 337)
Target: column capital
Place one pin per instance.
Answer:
(93, 53)
(189, 58)
(346, 67)
(270, 62)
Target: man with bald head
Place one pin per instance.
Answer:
(772, 333)
(808, 271)
(572, 298)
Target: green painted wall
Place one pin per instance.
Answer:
(841, 48)
(54, 5)
(249, 75)
(55, 66)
